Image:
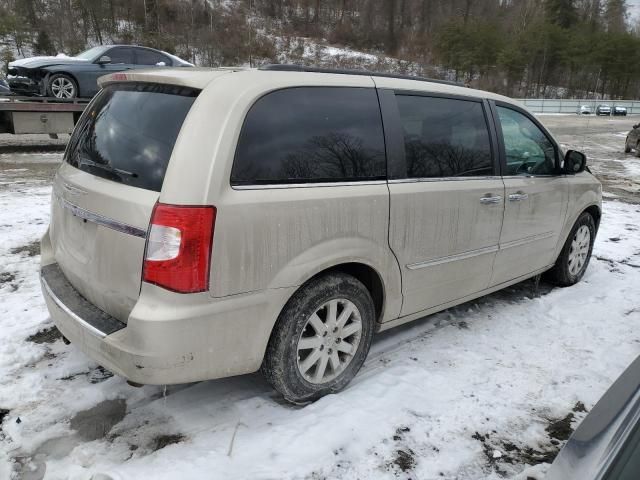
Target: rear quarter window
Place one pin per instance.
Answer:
(311, 134)
(149, 57)
(128, 132)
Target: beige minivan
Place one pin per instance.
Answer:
(214, 222)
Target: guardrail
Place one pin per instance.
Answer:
(556, 105)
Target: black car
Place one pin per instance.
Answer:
(69, 77)
(4, 87)
(618, 110)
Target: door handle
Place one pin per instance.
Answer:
(518, 196)
(490, 199)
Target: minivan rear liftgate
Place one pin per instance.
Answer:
(105, 191)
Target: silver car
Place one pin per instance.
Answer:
(606, 445)
(584, 110)
(208, 223)
(603, 109)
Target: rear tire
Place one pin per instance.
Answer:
(576, 253)
(321, 339)
(62, 86)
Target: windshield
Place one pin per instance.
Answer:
(91, 53)
(128, 131)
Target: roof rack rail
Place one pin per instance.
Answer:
(283, 67)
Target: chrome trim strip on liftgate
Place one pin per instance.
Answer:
(101, 219)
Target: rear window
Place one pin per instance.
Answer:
(311, 134)
(128, 133)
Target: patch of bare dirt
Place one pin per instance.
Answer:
(8, 278)
(499, 451)
(48, 335)
(404, 459)
(31, 249)
(561, 429)
(3, 413)
(162, 441)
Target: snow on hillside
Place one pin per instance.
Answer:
(309, 51)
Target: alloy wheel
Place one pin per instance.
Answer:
(329, 341)
(62, 87)
(579, 249)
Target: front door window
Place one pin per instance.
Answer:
(528, 150)
(120, 55)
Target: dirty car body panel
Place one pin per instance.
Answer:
(426, 243)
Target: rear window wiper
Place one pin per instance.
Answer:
(118, 172)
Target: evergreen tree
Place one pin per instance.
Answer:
(43, 44)
(561, 12)
(615, 14)
(509, 46)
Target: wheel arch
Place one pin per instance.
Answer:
(593, 209)
(368, 276)
(595, 212)
(362, 271)
(55, 71)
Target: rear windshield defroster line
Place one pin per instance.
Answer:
(128, 132)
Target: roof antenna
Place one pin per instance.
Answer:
(250, 39)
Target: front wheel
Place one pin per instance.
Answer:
(576, 253)
(321, 338)
(62, 86)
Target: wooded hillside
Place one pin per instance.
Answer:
(534, 48)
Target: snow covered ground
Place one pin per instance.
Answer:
(481, 391)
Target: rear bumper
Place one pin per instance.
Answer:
(169, 338)
(88, 316)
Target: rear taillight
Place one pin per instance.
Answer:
(178, 252)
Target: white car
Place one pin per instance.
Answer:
(584, 110)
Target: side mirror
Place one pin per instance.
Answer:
(103, 60)
(574, 162)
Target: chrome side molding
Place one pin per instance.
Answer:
(480, 251)
(453, 258)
